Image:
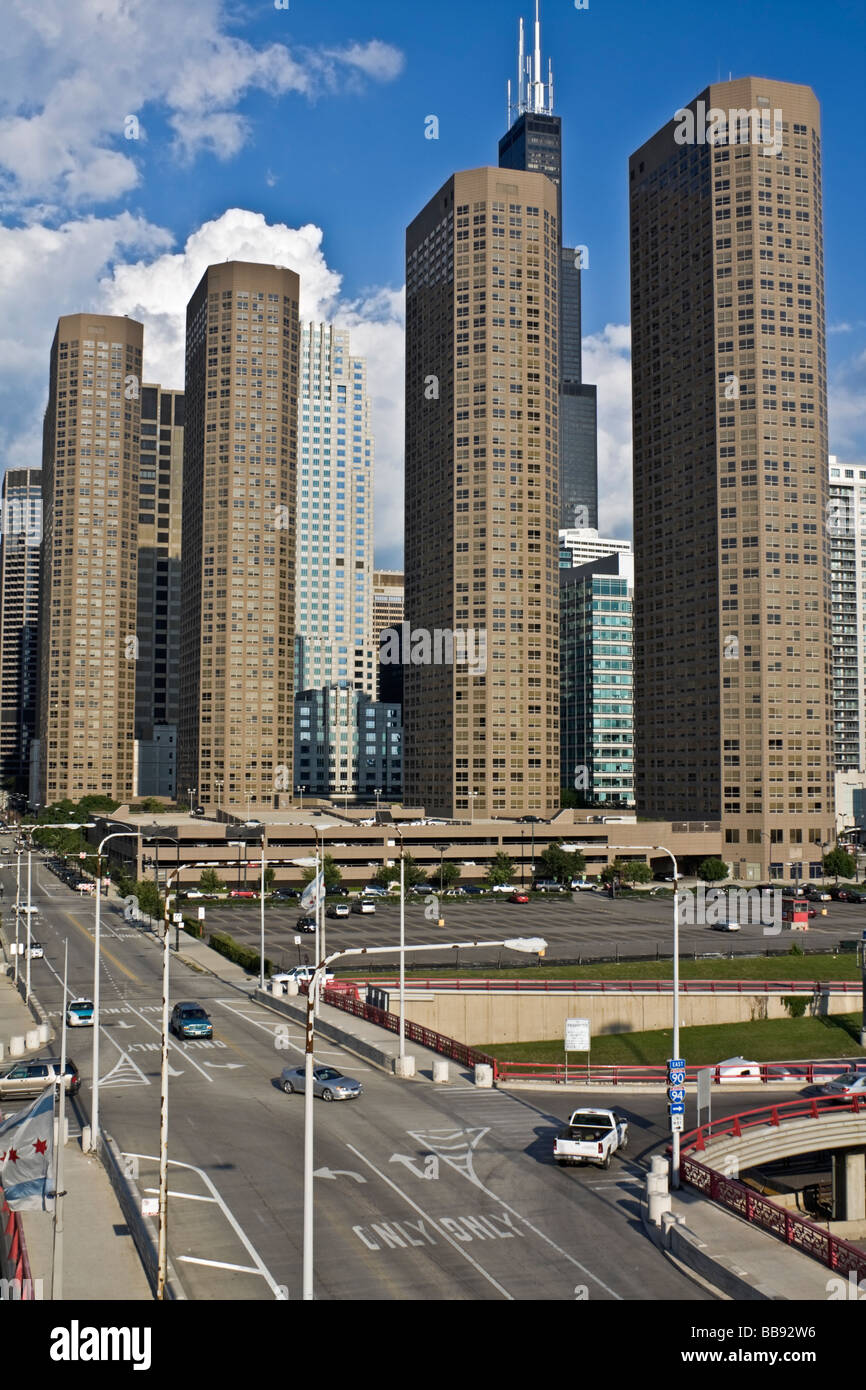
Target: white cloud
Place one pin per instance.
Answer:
(74, 69)
(847, 409)
(607, 363)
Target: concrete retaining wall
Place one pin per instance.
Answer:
(493, 1017)
(298, 1014)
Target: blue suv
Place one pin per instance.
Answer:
(190, 1021)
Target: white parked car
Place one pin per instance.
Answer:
(193, 893)
(301, 974)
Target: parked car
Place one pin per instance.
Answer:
(28, 1079)
(839, 895)
(519, 898)
(301, 974)
(547, 885)
(284, 894)
(337, 910)
(364, 906)
(818, 895)
(502, 888)
(375, 890)
(473, 888)
(243, 893)
(189, 1020)
(581, 885)
(725, 926)
(855, 896)
(79, 1013)
(338, 892)
(328, 1083)
(193, 893)
(305, 924)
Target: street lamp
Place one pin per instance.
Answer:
(378, 794)
(301, 789)
(531, 945)
(114, 835)
(662, 849)
(441, 849)
(472, 796)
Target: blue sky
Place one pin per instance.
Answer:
(298, 135)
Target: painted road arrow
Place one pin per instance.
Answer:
(226, 1066)
(337, 1173)
(431, 1165)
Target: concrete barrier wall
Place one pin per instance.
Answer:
(490, 1017)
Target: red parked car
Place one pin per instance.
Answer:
(243, 893)
(519, 898)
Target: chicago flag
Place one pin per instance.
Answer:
(26, 1149)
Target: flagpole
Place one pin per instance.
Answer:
(57, 1245)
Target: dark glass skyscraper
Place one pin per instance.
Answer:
(534, 142)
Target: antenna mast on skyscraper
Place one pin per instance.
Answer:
(532, 93)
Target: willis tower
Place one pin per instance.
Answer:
(534, 143)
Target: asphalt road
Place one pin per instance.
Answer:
(582, 925)
(422, 1193)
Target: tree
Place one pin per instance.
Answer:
(712, 870)
(450, 873)
(390, 873)
(270, 876)
(559, 864)
(839, 863)
(627, 871)
(210, 882)
(333, 876)
(148, 897)
(501, 869)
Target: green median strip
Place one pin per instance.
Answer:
(762, 1040)
(781, 967)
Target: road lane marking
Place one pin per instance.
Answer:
(275, 1029)
(464, 1166)
(217, 1264)
(171, 1043)
(278, 1290)
(436, 1227)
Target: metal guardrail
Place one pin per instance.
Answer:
(811, 1108)
(414, 1032)
(795, 1230)
(626, 986)
(798, 1073)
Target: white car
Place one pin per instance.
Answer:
(363, 905)
(301, 974)
(846, 1086)
(79, 1013)
(503, 888)
(36, 952)
(193, 893)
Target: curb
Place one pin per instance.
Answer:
(687, 1248)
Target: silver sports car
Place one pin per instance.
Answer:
(328, 1083)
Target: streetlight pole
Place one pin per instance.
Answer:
(114, 835)
(532, 945)
(402, 949)
(662, 849)
(17, 911)
(162, 1242)
(441, 848)
(29, 915)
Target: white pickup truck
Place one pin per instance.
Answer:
(591, 1136)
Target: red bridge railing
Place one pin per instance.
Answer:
(14, 1262)
(795, 1073)
(795, 1230)
(812, 1108)
(425, 1037)
(619, 986)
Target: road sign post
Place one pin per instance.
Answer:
(578, 1037)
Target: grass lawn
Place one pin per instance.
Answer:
(786, 967)
(764, 1040)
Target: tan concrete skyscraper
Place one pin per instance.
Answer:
(732, 670)
(89, 559)
(239, 510)
(482, 315)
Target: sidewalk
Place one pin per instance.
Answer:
(100, 1259)
(735, 1258)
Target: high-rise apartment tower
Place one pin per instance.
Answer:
(89, 570)
(20, 547)
(238, 563)
(482, 391)
(732, 591)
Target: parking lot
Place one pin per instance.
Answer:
(579, 926)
